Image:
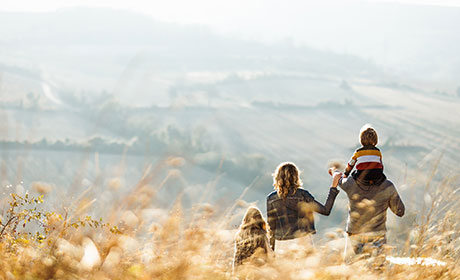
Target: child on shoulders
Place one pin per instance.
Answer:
(367, 160)
(369, 194)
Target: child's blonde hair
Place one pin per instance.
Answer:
(251, 237)
(253, 219)
(286, 176)
(368, 136)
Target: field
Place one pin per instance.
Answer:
(135, 241)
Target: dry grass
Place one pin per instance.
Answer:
(197, 243)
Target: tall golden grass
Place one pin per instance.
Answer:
(198, 243)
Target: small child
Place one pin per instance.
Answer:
(251, 242)
(367, 160)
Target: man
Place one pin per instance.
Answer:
(367, 212)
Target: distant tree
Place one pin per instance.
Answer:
(42, 144)
(348, 102)
(32, 100)
(173, 92)
(345, 86)
(211, 95)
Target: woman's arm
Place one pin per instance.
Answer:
(269, 249)
(272, 241)
(333, 191)
(271, 219)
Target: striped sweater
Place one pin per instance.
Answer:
(368, 163)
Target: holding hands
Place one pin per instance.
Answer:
(336, 176)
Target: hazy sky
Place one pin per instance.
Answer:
(246, 18)
(185, 8)
(384, 33)
(255, 19)
(200, 11)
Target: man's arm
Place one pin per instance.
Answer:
(396, 204)
(346, 183)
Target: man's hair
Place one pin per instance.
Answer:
(368, 136)
(286, 177)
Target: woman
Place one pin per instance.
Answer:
(251, 242)
(290, 208)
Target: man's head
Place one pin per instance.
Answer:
(368, 136)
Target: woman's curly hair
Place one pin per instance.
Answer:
(285, 178)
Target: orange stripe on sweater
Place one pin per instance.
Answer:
(367, 153)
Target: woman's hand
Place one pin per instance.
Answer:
(336, 176)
